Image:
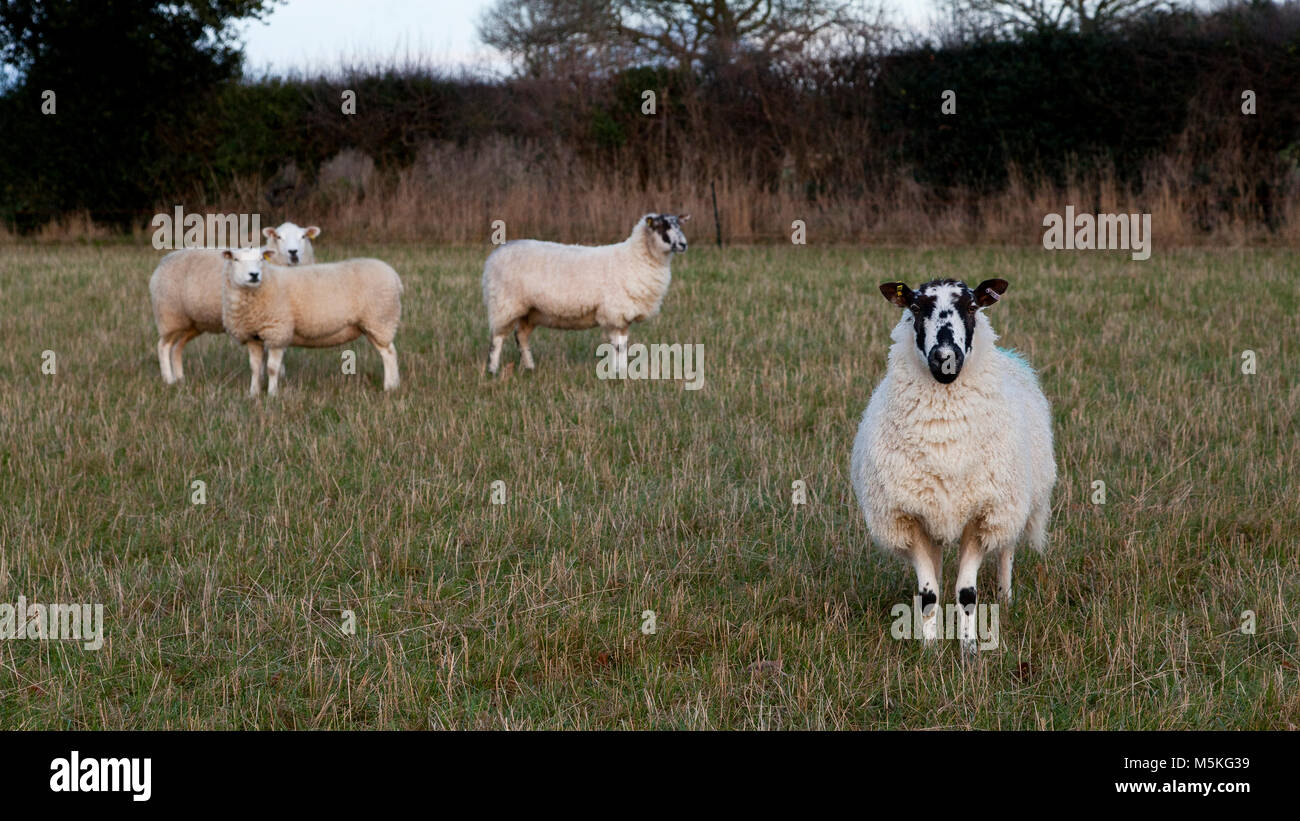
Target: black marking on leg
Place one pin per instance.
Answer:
(928, 598)
(966, 596)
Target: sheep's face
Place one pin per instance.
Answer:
(244, 266)
(943, 315)
(289, 243)
(666, 232)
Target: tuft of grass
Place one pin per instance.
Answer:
(624, 497)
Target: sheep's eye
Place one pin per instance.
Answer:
(916, 309)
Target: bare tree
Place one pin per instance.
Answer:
(987, 16)
(543, 34)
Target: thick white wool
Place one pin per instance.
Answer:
(577, 286)
(315, 306)
(976, 450)
(311, 306)
(533, 283)
(185, 291)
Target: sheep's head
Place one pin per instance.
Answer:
(943, 313)
(289, 243)
(244, 266)
(666, 232)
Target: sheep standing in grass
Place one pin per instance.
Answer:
(529, 283)
(185, 290)
(312, 306)
(955, 446)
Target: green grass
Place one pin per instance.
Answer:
(625, 497)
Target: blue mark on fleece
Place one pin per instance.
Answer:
(1016, 357)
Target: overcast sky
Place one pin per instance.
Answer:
(310, 35)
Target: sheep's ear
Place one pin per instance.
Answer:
(267, 254)
(683, 217)
(227, 254)
(990, 291)
(312, 232)
(897, 293)
(269, 233)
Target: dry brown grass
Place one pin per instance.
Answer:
(452, 195)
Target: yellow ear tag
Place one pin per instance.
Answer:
(900, 290)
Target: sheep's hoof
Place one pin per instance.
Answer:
(930, 630)
(969, 649)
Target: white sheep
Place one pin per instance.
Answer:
(310, 306)
(527, 283)
(955, 446)
(185, 290)
(291, 244)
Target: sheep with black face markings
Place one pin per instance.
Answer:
(529, 283)
(955, 446)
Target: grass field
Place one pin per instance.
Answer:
(631, 496)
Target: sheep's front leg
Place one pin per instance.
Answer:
(274, 356)
(284, 369)
(618, 338)
(972, 554)
(255, 365)
(927, 558)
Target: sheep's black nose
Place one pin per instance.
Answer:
(253, 275)
(293, 256)
(945, 364)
